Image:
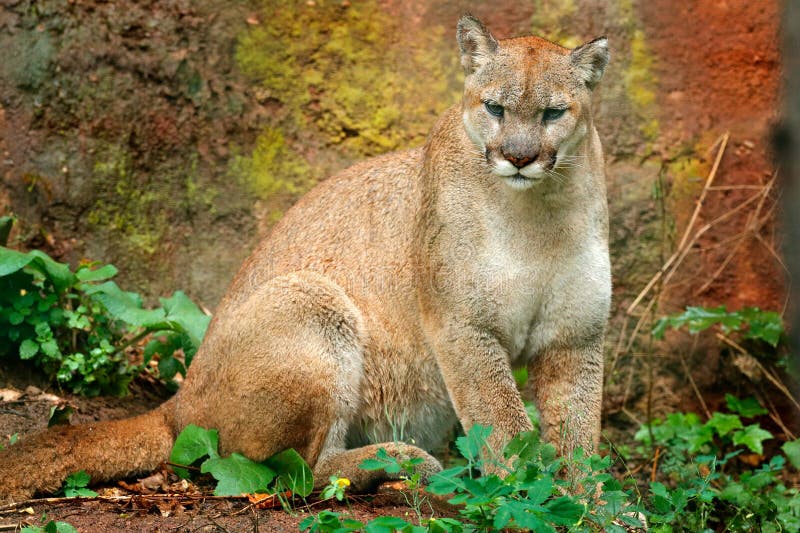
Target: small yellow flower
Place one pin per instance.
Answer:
(342, 483)
(23, 292)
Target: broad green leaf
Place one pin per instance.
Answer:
(525, 519)
(169, 366)
(724, 424)
(63, 527)
(697, 437)
(473, 443)
(50, 348)
(50, 527)
(792, 451)
(6, 223)
(127, 306)
(385, 524)
(78, 479)
(764, 325)
(75, 485)
(747, 407)
(752, 436)
(523, 446)
(237, 475)
(28, 348)
(87, 274)
(164, 343)
(661, 327)
(757, 324)
(539, 490)
(372, 464)
(59, 416)
(444, 525)
(563, 511)
(193, 443)
(184, 312)
(58, 273)
(83, 492)
(447, 481)
(15, 318)
(293, 471)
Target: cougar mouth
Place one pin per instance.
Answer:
(520, 182)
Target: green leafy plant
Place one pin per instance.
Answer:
(704, 486)
(50, 527)
(698, 488)
(407, 468)
(532, 495)
(12, 439)
(76, 325)
(236, 474)
(750, 322)
(336, 488)
(75, 485)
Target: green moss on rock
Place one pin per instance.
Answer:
(550, 20)
(350, 73)
(641, 85)
(273, 167)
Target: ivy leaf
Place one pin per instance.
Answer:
(763, 325)
(724, 424)
(192, 444)
(293, 471)
(238, 475)
(792, 451)
(752, 436)
(747, 407)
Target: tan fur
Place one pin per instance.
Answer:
(396, 297)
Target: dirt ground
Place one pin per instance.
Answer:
(716, 67)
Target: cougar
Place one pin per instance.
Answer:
(396, 297)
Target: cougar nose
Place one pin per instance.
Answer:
(520, 161)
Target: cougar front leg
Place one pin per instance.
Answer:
(567, 388)
(478, 377)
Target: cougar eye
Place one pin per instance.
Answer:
(493, 108)
(553, 113)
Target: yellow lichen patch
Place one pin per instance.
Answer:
(129, 208)
(350, 73)
(686, 173)
(349, 77)
(640, 85)
(551, 17)
(273, 167)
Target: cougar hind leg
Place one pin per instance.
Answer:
(282, 369)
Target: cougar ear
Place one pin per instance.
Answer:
(590, 60)
(475, 42)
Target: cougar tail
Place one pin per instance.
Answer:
(105, 450)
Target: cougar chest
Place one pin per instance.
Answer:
(539, 274)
